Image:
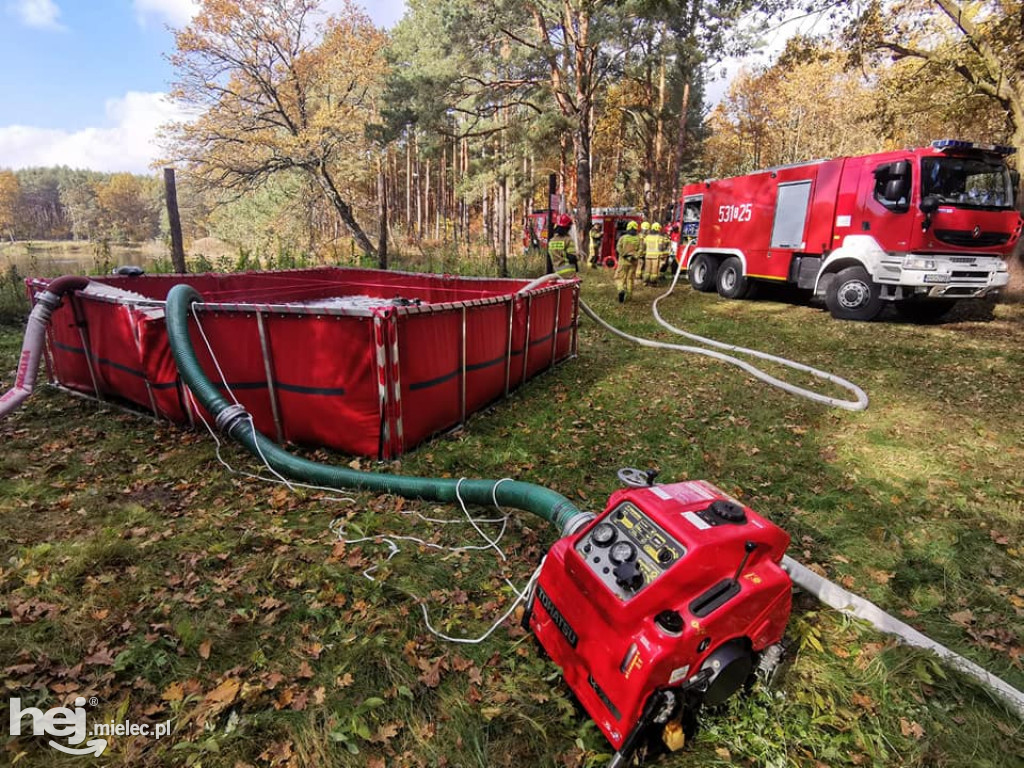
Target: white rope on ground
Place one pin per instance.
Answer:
(855, 405)
(337, 526)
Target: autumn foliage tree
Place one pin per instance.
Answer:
(126, 212)
(979, 44)
(278, 91)
(10, 193)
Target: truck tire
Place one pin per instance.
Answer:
(924, 312)
(732, 284)
(702, 273)
(853, 295)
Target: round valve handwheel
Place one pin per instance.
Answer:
(637, 478)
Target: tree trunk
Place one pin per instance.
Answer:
(408, 184)
(382, 199)
(658, 172)
(174, 220)
(684, 107)
(583, 193)
(326, 182)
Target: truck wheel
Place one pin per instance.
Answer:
(702, 273)
(924, 312)
(853, 295)
(731, 282)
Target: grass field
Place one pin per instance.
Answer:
(135, 569)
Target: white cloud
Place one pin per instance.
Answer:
(127, 143)
(41, 14)
(177, 13)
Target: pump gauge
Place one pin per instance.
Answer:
(603, 535)
(622, 552)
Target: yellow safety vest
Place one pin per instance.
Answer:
(652, 244)
(628, 247)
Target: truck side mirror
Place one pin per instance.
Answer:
(897, 170)
(896, 189)
(929, 205)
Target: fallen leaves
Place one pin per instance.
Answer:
(31, 610)
(102, 656)
(911, 728)
(964, 618)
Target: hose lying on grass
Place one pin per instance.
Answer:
(846, 602)
(860, 402)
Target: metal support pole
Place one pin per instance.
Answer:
(554, 331)
(508, 346)
(462, 372)
(76, 310)
(526, 342)
(574, 347)
(138, 349)
(268, 369)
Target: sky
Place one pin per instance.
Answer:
(87, 79)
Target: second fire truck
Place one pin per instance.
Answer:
(922, 228)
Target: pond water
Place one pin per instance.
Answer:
(47, 259)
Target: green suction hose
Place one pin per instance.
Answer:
(234, 420)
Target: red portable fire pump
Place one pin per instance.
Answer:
(665, 602)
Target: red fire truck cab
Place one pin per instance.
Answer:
(920, 227)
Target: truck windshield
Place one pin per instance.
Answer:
(967, 182)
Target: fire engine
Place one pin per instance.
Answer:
(920, 227)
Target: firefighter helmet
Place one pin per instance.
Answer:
(563, 221)
(645, 226)
(655, 227)
(631, 226)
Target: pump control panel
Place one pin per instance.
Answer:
(670, 594)
(628, 551)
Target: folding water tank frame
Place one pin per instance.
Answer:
(369, 362)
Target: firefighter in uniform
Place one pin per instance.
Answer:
(667, 249)
(596, 238)
(645, 228)
(628, 250)
(562, 249)
(653, 255)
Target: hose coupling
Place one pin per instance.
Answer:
(230, 416)
(48, 299)
(576, 523)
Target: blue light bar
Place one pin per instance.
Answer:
(951, 144)
(997, 149)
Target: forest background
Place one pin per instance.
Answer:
(322, 138)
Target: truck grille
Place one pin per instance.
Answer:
(963, 274)
(965, 238)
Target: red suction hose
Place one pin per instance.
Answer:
(35, 337)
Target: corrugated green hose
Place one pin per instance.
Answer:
(233, 419)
